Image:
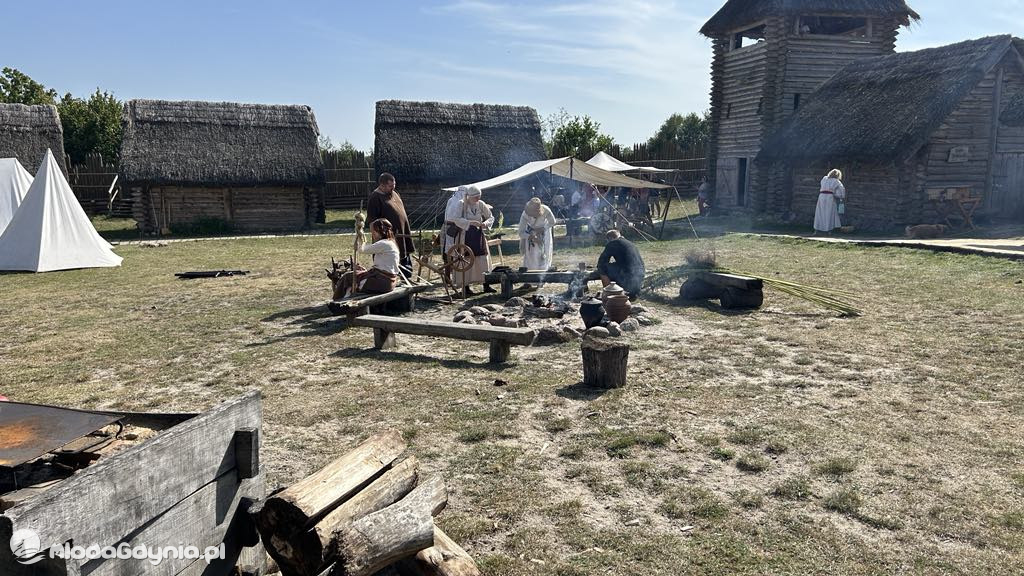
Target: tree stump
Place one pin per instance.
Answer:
(738, 298)
(698, 289)
(604, 362)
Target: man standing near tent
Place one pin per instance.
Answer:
(386, 203)
(620, 262)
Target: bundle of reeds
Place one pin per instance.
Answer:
(830, 298)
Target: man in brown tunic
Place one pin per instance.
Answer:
(386, 203)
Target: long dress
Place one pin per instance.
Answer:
(537, 256)
(390, 207)
(454, 204)
(462, 214)
(826, 213)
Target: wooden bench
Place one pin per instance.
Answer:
(506, 277)
(501, 339)
(365, 303)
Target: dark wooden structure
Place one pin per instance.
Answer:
(605, 362)
(27, 131)
(248, 167)
(769, 57)
(507, 278)
(500, 339)
(401, 299)
(430, 146)
(190, 485)
(733, 291)
(922, 137)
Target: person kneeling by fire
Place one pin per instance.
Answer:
(620, 262)
(383, 276)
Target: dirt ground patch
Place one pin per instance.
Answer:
(785, 440)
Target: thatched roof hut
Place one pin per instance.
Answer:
(916, 91)
(27, 131)
(738, 13)
(252, 167)
(219, 144)
(442, 144)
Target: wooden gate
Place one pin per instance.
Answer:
(1007, 198)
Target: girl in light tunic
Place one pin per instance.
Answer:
(473, 218)
(535, 241)
(826, 214)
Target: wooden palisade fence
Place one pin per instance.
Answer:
(350, 178)
(95, 186)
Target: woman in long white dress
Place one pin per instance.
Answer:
(535, 235)
(826, 213)
(473, 217)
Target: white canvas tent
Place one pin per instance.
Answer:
(605, 162)
(50, 231)
(14, 183)
(567, 167)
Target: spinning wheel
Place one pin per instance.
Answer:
(600, 223)
(461, 257)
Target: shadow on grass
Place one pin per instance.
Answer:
(301, 315)
(392, 356)
(580, 391)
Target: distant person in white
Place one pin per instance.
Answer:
(826, 214)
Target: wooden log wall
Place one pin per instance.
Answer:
(875, 193)
(1008, 171)
(246, 209)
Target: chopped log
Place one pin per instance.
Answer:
(444, 558)
(698, 289)
(736, 298)
(304, 503)
(305, 552)
(604, 362)
(382, 538)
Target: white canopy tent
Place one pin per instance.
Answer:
(50, 231)
(14, 183)
(605, 162)
(567, 167)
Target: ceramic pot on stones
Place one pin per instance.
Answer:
(592, 312)
(612, 289)
(617, 307)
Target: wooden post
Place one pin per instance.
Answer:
(506, 286)
(384, 340)
(247, 452)
(604, 362)
(500, 351)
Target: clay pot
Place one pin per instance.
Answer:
(612, 289)
(617, 307)
(592, 312)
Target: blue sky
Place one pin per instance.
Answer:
(629, 64)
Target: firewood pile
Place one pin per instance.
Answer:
(369, 511)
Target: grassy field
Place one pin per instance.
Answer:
(782, 441)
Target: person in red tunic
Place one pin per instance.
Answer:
(386, 203)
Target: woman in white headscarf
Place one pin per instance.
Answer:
(472, 217)
(826, 213)
(535, 239)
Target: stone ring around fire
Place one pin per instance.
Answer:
(461, 257)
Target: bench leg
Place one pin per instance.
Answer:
(500, 351)
(506, 287)
(384, 340)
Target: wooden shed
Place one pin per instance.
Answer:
(27, 131)
(245, 167)
(769, 56)
(914, 133)
(429, 146)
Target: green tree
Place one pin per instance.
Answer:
(580, 134)
(18, 88)
(92, 125)
(348, 153)
(686, 132)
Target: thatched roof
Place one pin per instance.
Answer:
(219, 144)
(737, 13)
(446, 144)
(27, 131)
(886, 108)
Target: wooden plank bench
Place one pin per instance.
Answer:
(507, 277)
(366, 303)
(501, 339)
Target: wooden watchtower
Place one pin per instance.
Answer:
(770, 54)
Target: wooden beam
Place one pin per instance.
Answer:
(518, 336)
(153, 476)
(997, 97)
(367, 301)
(247, 452)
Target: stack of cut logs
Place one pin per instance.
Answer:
(365, 513)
